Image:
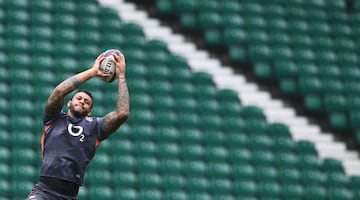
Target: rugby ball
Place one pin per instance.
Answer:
(108, 66)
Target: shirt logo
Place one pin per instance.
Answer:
(76, 131)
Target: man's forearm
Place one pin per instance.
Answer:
(73, 82)
(122, 105)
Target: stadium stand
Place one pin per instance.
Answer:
(185, 139)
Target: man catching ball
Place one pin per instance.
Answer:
(69, 140)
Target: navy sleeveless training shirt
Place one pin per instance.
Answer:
(68, 145)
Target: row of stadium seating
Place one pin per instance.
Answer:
(185, 138)
(311, 49)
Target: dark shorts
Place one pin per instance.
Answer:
(43, 192)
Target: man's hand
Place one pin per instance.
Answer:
(120, 65)
(95, 69)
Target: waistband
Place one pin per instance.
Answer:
(61, 186)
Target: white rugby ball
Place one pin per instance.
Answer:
(108, 65)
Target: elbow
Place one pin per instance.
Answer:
(59, 91)
(124, 115)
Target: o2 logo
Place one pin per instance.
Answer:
(76, 131)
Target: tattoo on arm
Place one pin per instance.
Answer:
(113, 120)
(56, 99)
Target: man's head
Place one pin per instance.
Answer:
(81, 104)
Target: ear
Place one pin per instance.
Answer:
(68, 104)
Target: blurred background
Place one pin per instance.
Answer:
(271, 112)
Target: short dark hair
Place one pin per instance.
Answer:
(86, 92)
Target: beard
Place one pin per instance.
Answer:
(77, 113)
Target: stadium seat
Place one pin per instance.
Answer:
(170, 166)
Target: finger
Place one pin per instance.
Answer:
(99, 56)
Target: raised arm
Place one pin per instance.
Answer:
(57, 97)
(113, 120)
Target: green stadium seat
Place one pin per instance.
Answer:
(5, 171)
(288, 174)
(259, 52)
(252, 22)
(260, 141)
(237, 138)
(218, 169)
(199, 196)
(239, 155)
(340, 193)
(170, 166)
(168, 150)
(164, 6)
(332, 165)
(42, 18)
(4, 189)
(335, 102)
(220, 185)
(4, 121)
(256, 126)
(159, 87)
(268, 189)
(65, 6)
(285, 69)
(265, 173)
(99, 177)
(192, 151)
(101, 160)
(146, 163)
(313, 102)
(309, 85)
(144, 148)
(291, 191)
(245, 187)
(214, 138)
(237, 53)
(185, 6)
(149, 180)
(191, 136)
(337, 179)
(89, 9)
(315, 192)
(183, 91)
(4, 106)
(66, 21)
(23, 156)
(173, 182)
(252, 112)
(193, 167)
(187, 120)
(45, 6)
(338, 120)
(175, 195)
(20, 189)
(126, 193)
(263, 157)
(286, 159)
(242, 170)
(124, 179)
(23, 138)
(234, 35)
(312, 176)
(123, 162)
(150, 194)
(263, 70)
(101, 192)
(166, 134)
(23, 173)
(306, 147)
